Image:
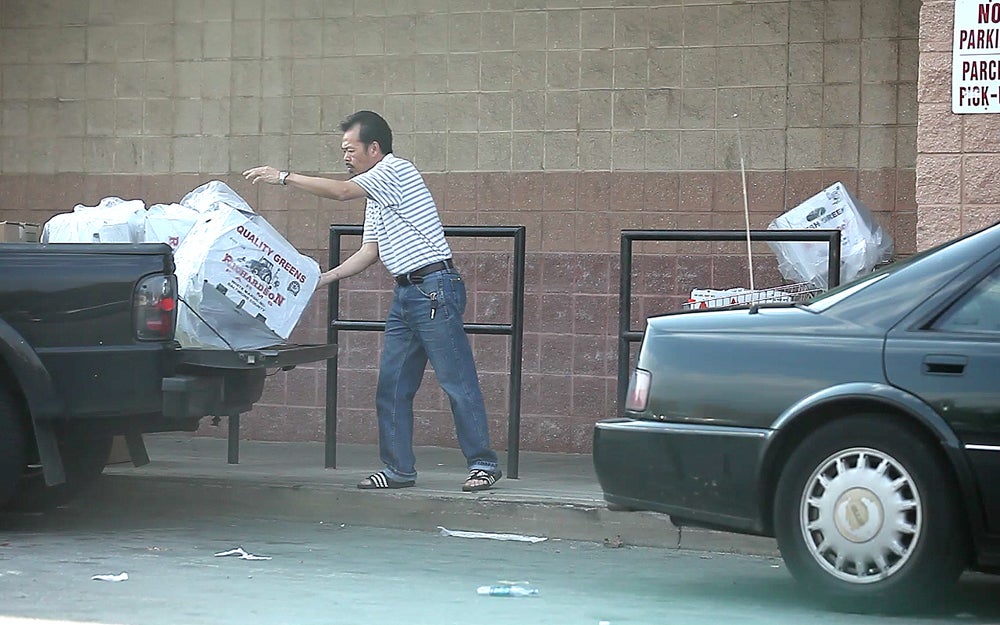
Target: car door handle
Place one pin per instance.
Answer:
(944, 364)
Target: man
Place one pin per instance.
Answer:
(403, 229)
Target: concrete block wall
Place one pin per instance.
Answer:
(958, 156)
(575, 118)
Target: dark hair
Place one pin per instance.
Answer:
(371, 127)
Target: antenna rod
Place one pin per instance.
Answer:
(746, 203)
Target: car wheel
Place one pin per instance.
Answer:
(866, 515)
(83, 461)
(12, 444)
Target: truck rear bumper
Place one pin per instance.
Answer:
(196, 396)
(227, 382)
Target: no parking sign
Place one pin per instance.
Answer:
(975, 73)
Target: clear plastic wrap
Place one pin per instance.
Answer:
(864, 244)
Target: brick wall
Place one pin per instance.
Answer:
(958, 156)
(574, 121)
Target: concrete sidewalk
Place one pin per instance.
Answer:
(556, 495)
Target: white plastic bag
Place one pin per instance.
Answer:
(863, 242)
(113, 220)
(169, 223)
(215, 195)
(70, 228)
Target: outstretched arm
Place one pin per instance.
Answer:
(364, 258)
(322, 187)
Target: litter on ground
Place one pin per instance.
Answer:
(121, 577)
(239, 551)
(512, 537)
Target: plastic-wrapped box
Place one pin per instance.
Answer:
(863, 243)
(243, 285)
(113, 220)
(169, 223)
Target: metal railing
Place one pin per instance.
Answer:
(627, 336)
(514, 329)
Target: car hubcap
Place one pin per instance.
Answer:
(861, 515)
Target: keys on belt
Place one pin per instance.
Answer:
(417, 275)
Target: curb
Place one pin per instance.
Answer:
(124, 495)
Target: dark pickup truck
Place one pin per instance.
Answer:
(87, 352)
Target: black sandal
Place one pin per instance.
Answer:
(481, 479)
(379, 481)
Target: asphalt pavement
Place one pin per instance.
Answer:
(555, 496)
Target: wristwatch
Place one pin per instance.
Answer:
(282, 176)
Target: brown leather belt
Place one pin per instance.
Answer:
(417, 275)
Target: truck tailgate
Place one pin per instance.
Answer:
(279, 356)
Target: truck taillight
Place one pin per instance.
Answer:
(154, 307)
(638, 391)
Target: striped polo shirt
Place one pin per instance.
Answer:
(400, 215)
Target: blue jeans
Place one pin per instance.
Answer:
(412, 337)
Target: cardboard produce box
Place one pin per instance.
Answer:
(18, 232)
(243, 285)
(863, 242)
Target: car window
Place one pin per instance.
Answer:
(825, 300)
(977, 311)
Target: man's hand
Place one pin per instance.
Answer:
(364, 258)
(262, 174)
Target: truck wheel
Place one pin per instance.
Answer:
(867, 516)
(83, 460)
(12, 419)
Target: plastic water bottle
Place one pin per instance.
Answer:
(520, 589)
